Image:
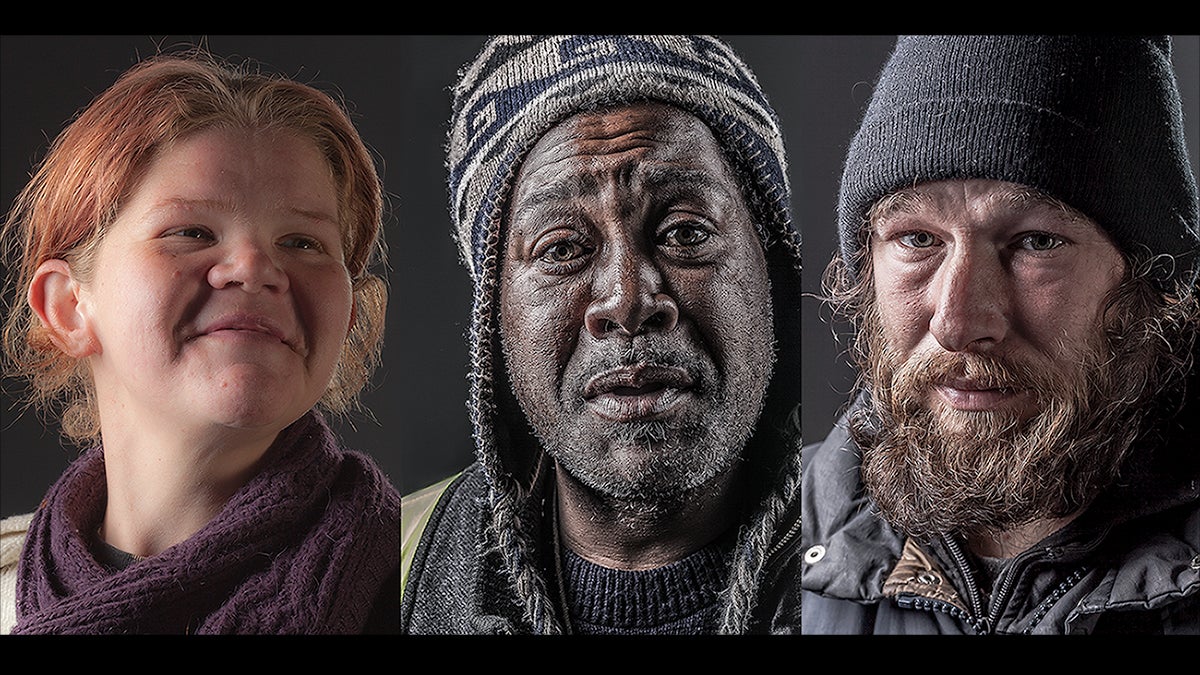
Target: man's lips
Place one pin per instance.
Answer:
(973, 395)
(636, 392)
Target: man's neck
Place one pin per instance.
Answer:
(1014, 541)
(630, 537)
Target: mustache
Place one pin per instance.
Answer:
(649, 356)
(920, 374)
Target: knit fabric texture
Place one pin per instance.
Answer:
(679, 599)
(1094, 121)
(512, 93)
(520, 86)
(303, 548)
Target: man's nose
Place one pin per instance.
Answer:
(970, 301)
(629, 296)
(249, 264)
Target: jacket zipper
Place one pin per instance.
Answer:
(982, 622)
(1004, 588)
(1005, 583)
(911, 601)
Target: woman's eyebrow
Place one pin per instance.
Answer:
(230, 206)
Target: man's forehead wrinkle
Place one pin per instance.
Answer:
(563, 187)
(651, 176)
(619, 122)
(1021, 200)
(1018, 198)
(623, 136)
(904, 202)
(658, 176)
(1006, 198)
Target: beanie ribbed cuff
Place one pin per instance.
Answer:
(1095, 122)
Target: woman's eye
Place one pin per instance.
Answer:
(192, 232)
(1040, 241)
(918, 239)
(685, 235)
(303, 243)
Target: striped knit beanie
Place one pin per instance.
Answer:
(1093, 121)
(520, 86)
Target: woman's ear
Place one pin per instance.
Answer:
(54, 295)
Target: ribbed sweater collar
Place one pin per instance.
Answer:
(679, 598)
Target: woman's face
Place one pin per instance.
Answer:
(220, 295)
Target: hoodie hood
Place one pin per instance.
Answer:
(517, 89)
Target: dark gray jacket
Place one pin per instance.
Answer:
(1129, 564)
(457, 586)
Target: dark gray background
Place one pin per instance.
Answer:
(397, 88)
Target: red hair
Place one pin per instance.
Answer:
(98, 161)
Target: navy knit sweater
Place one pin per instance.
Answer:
(678, 599)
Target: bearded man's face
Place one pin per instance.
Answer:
(635, 305)
(995, 397)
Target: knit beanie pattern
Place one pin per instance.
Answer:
(1093, 121)
(520, 86)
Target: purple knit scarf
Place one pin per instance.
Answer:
(302, 548)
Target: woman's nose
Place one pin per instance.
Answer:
(250, 265)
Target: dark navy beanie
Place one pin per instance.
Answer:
(1094, 121)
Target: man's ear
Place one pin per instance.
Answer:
(54, 295)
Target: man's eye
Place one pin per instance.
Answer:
(1040, 241)
(562, 251)
(685, 235)
(918, 239)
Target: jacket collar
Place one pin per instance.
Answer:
(1152, 521)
